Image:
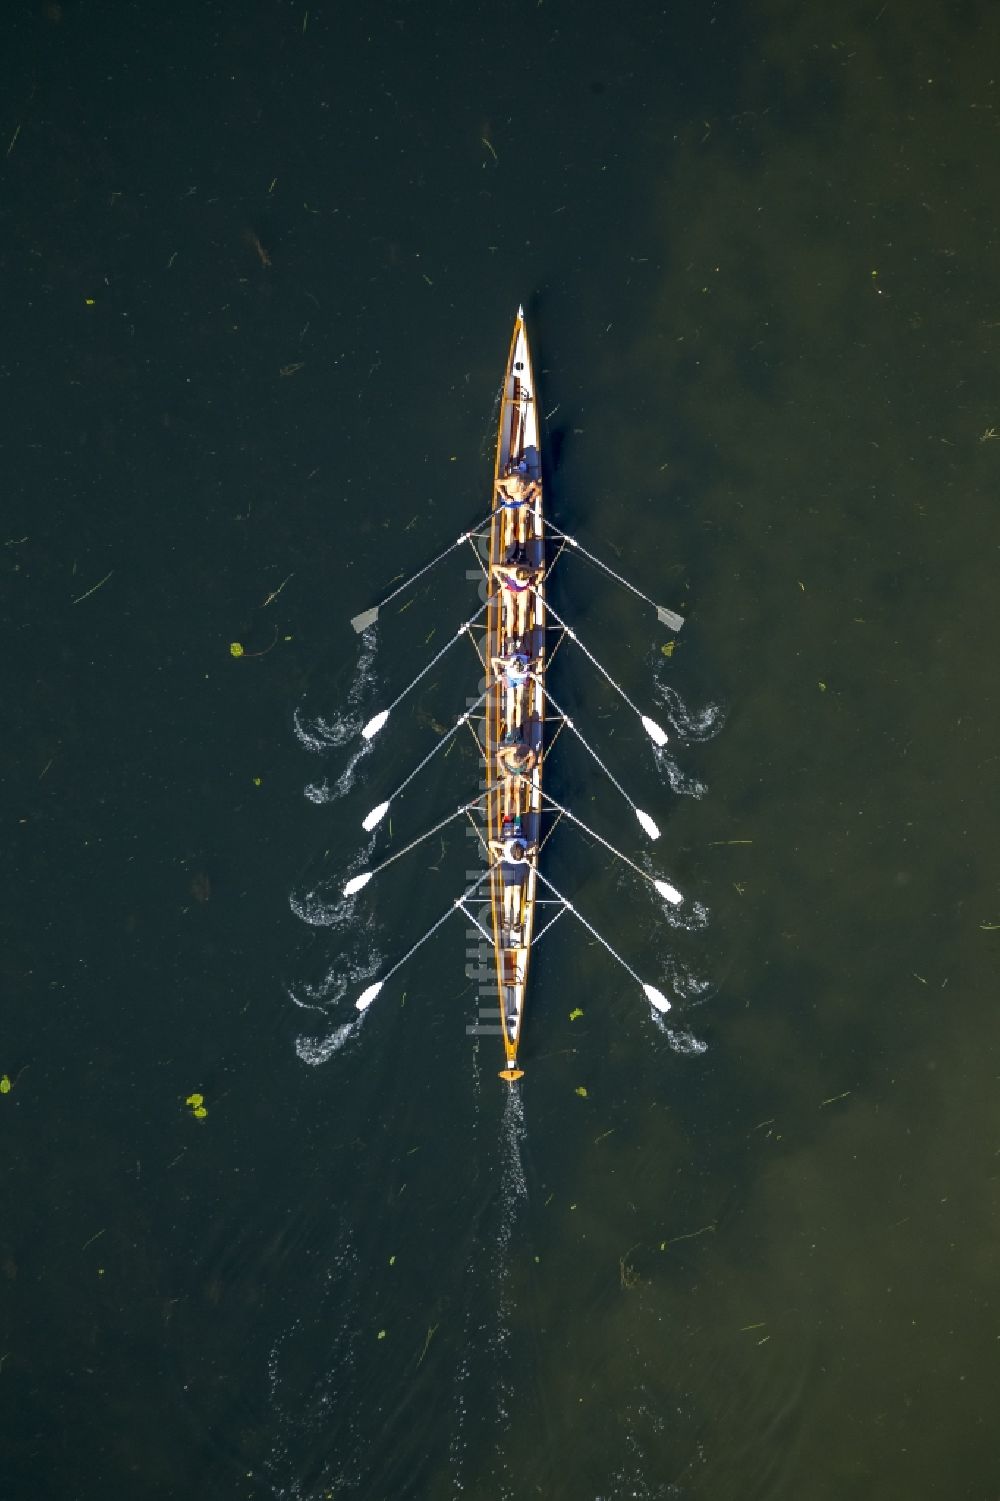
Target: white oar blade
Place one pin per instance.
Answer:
(669, 617)
(374, 725)
(367, 996)
(374, 817)
(653, 996)
(669, 893)
(356, 882)
(364, 620)
(647, 824)
(658, 736)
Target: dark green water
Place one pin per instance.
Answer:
(756, 247)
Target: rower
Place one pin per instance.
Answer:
(515, 760)
(516, 581)
(512, 847)
(515, 667)
(515, 493)
(513, 853)
(512, 850)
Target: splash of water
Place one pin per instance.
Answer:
(686, 984)
(324, 905)
(322, 792)
(344, 977)
(689, 724)
(320, 734)
(680, 782)
(326, 993)
(317, 911)
(317, 1050)
(684, 1043)
(345, 781)
(690, 916)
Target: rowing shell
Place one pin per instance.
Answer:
(513, 539)
(515, 704)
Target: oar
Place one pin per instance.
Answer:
(368, 617)
(374, 725)
(663, 615)
(367, 996)
(645, 822)
(656, 734)
(378, 813)
(357, 882)
(669, 893)
(655, 997)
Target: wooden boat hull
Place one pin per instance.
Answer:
(516, 534)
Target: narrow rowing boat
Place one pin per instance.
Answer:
(515, 705)
(516, 673)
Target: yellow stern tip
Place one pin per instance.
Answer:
(510, 1074)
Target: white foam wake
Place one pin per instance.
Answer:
(321, 733)
(324, 905)
(689, 724)
(679, 781)
(681, 1041)
(324, 994)
(317, 911)
(513, 1135)
(692, 917)
(342, 981)
(489, 1323)
(317, 1050)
